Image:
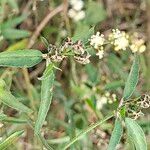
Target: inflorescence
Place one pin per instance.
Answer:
(118, 40)
(76, 11)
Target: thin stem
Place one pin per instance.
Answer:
(81, 134)
(43, 24)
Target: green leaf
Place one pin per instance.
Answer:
(12, 34)
(22, 44)
(45, 42)
(132, 79)
(116, 135)
(8, 99)
(20, 58)
(118, 69)
(83, 32)
(44, 142)
(13, 22)
(5, 118)
(46, 97)
(95, 13)
(47, 72)
(135, 134)
(113, 85)
(93, 74)
(10, 140)
(84, 132)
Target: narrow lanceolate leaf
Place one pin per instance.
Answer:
(5, 118)
(8, 99)
(116, 135)
(44, 40)
(12, 34)
(20, 58)
(22, 44)
(132, 79)
(135, 134)
(10, 140)
(46, 97)
(48, 71)
(13, 22)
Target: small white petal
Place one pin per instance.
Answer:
(97, 40)
(100, 54)
(72, 13)
(79, 15)
(78, 5)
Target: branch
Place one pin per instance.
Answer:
(43, 24)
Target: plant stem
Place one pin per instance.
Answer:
(81, 134)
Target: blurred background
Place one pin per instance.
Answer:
(83, 94)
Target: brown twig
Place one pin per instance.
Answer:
(43, 24)
(37, 71)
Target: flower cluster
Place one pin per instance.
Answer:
(97, 41)
(69, 48)
(120, 40)
(137, 43)
(76, 12)
(134, 108)
(107, 98)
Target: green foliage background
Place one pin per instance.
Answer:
(55, 106)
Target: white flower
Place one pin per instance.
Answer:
(121, 43)
(107, 94)
(77, 4)
(114, 96)
(73, 2)
(137, 44)
(76, 12)
(119, 39)
(102, 101)
(99, 105)
(142, 48)
(100, 54)
(76, 15)
(63, 33)
(133, 48)
(97, 40)
(110, 101)
(79, 16)
(71, 13)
